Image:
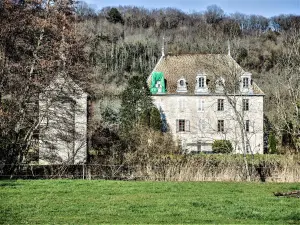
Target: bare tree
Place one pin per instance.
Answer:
(34, 48)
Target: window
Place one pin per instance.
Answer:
(247, 125)
(181, 104)
(181, 82)
(181, 85)
(245, 104)
(220, 125)
(220, 104)
(202, 124)
(182, 125)
(245, 82)
(201, 82)
(200, 105)
(158, 84)
(248, 149)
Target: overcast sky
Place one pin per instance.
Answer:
(266, 8)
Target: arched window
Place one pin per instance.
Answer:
(181, 85)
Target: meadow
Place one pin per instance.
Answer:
(140, 202)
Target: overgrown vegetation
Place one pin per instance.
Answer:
(222, 146)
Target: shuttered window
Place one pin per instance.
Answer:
(182, 125)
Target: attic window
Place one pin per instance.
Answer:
(201, 82)
(182, 85)
(245, 82)
(201, 85)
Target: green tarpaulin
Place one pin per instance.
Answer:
(157, 76)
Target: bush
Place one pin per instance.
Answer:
(222, 146)
(272, 143)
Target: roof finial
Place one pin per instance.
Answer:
(163, 47)
(229, 48)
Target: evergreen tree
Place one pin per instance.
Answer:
(136, 99)
(114, 16)
(152, 119)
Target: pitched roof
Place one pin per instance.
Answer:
(188, 66)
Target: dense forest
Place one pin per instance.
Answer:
(103, 50)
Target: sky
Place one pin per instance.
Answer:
(267, 8)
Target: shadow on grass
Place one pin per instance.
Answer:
(293, 218)
(9, 183)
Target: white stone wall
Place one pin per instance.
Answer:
(187, 107)
(63, 124)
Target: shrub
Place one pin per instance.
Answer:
(222, 146)
(272, 143)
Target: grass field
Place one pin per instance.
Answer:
(96, 201)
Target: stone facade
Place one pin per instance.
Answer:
(63, 123)
(206, 108)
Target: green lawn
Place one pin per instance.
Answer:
(97, 201)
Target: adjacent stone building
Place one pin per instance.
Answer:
(63, 123)
(207, 97)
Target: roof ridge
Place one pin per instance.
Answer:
(182, 54)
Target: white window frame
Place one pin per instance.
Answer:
(220, 105)
(201, 82)
(202, 124)
(221, 126)
(245, 82)
(245, 104)
(181, 104)
(200, 105)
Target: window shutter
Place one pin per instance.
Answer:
(177, 125)
(187, 125)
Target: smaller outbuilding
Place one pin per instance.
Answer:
(63, 123)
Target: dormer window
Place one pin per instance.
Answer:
(201, 86)
(181, 86)
(158, 86)
(246, 83)
(201, 82)
(158, 83)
